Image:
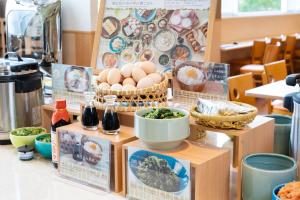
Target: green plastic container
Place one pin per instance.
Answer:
(282, 134)
(43, 148)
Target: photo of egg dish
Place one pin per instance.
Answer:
(191, 76)
(205, 78)
(92, 152)
(76, 79)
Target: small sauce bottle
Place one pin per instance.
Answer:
(110, 120)
(89, 117)
(59, 118)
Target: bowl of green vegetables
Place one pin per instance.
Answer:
(162, 128)
(43, 145)
(25, 136)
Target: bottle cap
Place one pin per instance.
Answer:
(60, 104)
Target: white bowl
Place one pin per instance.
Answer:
(161, 133)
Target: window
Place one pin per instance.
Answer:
(259, 7)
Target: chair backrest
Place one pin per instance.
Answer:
(290, 45)
(275, 40)
(238, 85)
(275, 71)
(271, 53)
(258, 50)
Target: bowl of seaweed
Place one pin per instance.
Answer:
(162, 128)
(43, 145)
(25, 136)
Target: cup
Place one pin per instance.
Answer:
(282, 134)
(262, 172)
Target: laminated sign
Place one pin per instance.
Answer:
(130, 31)
(85, 159)
(156, 176)
(70, 82)
(193, 80)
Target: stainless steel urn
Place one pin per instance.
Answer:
(20, 94)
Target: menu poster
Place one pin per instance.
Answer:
(151, 30)
(156, 176)
(193, 80)
(70, 82)
(85, 159)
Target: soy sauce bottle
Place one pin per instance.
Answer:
(89, 117)
(59, 118)
(110, 120)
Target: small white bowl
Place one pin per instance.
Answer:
(161, 133)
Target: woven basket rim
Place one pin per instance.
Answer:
(238, 117)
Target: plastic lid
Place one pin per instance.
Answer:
(26, 148)
(60, 104)
(296, 98)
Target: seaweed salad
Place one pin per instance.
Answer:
(163, 113)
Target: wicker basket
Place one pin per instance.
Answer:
(225, 122)
(131, 101)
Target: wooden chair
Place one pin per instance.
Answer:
(238, 85)
(276, 71)
(256, 57)
(288, 52)
(270, 55)
(275, 40)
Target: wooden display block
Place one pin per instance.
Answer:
(210, 168)
(126, 135)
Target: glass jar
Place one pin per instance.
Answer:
(110, 120)
(89, 118)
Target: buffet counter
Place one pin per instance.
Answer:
(38, 179)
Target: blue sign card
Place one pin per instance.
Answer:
(156, 176)
(85, 159)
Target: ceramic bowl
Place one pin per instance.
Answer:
(275, 191)
(18, 141)
(263, 171)
(44, 148)
(161, 133)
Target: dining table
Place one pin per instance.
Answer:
(274, 91)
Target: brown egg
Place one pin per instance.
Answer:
(114, 76)
(129, 81)
(148, 67)
(102, 77)
(138, 74)
(145, 83)
(116, 86)
(156, 77)
(128, 87)
(104, 86)
(126, 70)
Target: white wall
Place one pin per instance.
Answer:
(79, 15)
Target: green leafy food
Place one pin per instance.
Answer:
(28, 131)
(46, 139)
(163, 113)
(155, 172)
